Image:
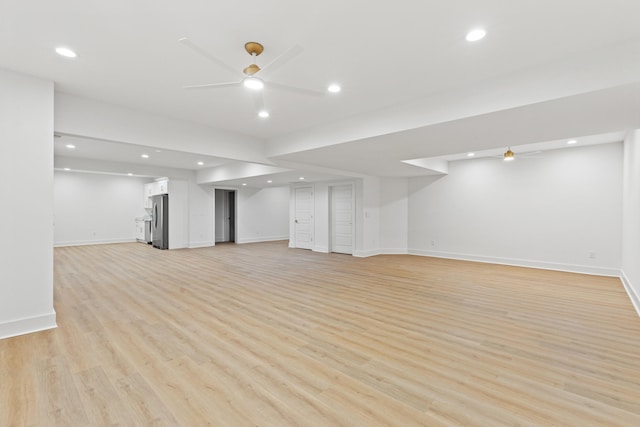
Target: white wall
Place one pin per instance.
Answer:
(200, 215)
(631, 217)
(394, 215)
(560, 211)
(262, 214)
(26, 215)
(96, 208)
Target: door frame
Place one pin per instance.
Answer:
(293, 216)
(235, 212)
(353, 215)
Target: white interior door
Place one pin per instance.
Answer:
(303, 222)
(342, 219)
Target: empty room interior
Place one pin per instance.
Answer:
(413, 213)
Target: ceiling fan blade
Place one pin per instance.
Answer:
(281, 60)
(185, 41)
(213, 85)
(293, 89)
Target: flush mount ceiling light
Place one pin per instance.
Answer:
(253, 83)
(66, 52)
(509, 155)
(476, 34)
(334, 88)
(264, 114)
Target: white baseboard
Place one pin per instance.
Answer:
(262, 239)
(633, 296)
(365, 254)
(321, 249)
(92, 242)
(206, 244)
(27, 326)
(583, 269)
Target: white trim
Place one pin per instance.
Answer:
(633, 296)
(93, 242)
(28, 325)
(262, 239)
(322, 249)
(572, 268)
(365, 254)
(205, 244)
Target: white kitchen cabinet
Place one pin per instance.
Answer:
(162, 186)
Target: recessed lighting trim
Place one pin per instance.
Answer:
(334, 88)
(572, 141)
(70, 146)
(264, 114)
(144, 156)
(253, 83)
(66, 52)
(476, 34)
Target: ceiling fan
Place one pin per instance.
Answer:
(510, 155)
(252, 75)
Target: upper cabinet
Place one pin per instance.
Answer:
(153, 189)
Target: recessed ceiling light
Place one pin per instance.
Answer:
(571, 142)
(269, 182)
(476, 34)
(200, 163)
(471, 154)
(301, 178)
(130, 174)
(70, 146)
(67, 169)
(244, 184)
(145, 156)
(66, 52)
(334, 88)
(264, 114)
(253, 83)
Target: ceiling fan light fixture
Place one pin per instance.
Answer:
(509, 155)
(253, 83)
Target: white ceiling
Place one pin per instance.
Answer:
(393, 60)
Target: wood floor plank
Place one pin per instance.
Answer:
(261, 334)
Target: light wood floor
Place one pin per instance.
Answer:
(263, 335)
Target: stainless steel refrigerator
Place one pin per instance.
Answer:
(160, 221)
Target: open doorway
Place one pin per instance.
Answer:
(225, 216)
